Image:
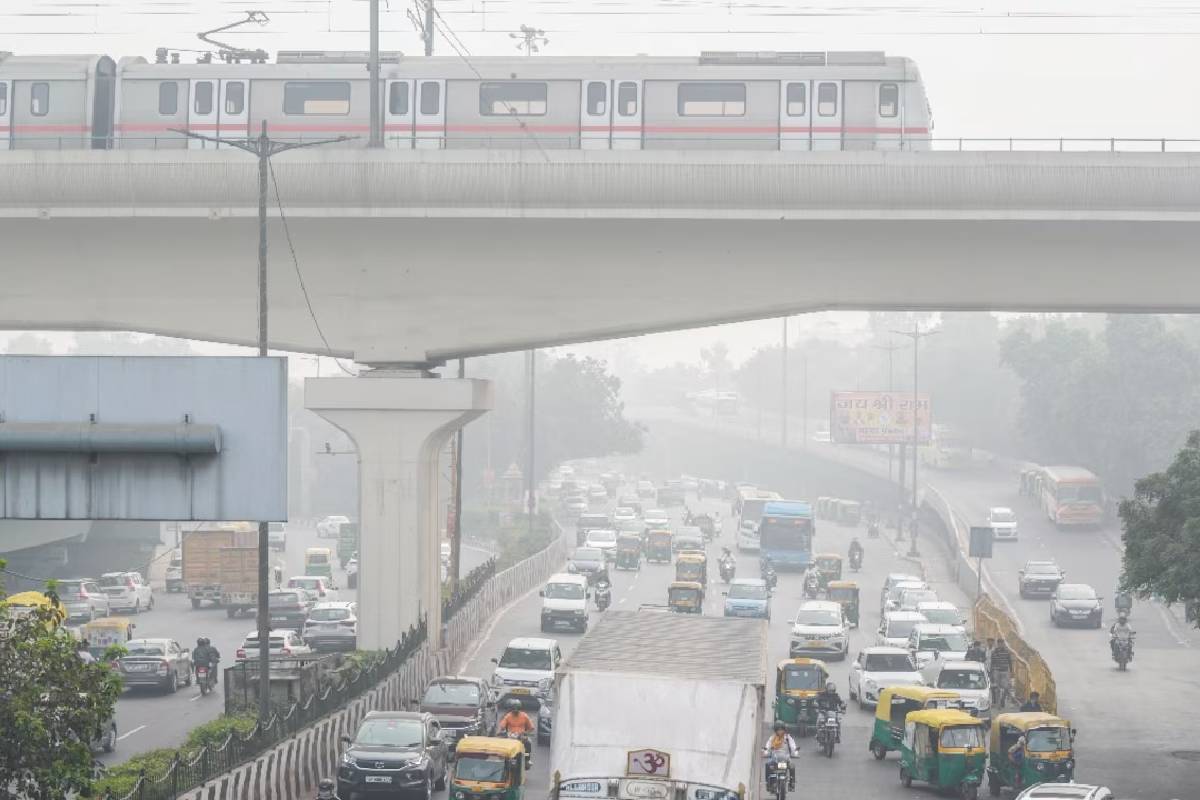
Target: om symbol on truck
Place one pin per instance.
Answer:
(648, 762)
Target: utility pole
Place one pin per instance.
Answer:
(429, 27)
(376, 137)
(804, 399)
(456, 533)
(531, 490)
(263, 148)
(783, 403)
(916, 334)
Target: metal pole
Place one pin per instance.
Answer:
(456, 540)
(783, 401)
(428, 27)
(264, 552)
(912, 549)
(376, 136)
(529, 480)
(804, 400)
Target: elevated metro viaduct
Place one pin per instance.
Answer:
(412, 258)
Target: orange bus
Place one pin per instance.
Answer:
(1070, 496)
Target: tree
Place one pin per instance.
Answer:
(580, 413)
(53, 705)
(1162, 530)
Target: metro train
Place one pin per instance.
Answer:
(721, 100)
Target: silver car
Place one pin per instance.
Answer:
(332, 626)
(84, 599)
(162, 663)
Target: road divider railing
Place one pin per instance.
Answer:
(287, 756)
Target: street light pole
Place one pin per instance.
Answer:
(783, 403)
(916, 334)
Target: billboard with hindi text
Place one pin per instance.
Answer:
(878, 417)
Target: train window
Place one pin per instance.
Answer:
(235, 97)
(398, 99)
(797, 99)
(168, 98)
(431, 98)
(316, 98)
(597, 98)
(204, 98)
(505, 98)
(827, 99)
(3, 97)
(712, 99)
(627, 99)
(889, 99)
(39, 99)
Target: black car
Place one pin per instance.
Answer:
(1076, 604)
(289, 608)
(1040, 578)
(589, 562)
(393, 753)
(462, 705)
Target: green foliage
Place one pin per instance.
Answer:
(215, 732)
(119, 780)
(1162, 530)
(515, 542)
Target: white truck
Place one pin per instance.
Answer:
(661, 706)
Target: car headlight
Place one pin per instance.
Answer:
(570, 568)
(349, 760)
(545, 683)
(870, 684)
(459, 795)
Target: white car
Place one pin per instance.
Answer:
(896, 626)
(624, 514)
(968, 678)
(656, 518)
(277, 535)
(890, 582)
(83, 599)
(646, 490)
(604, 540)
(911, 598)
(525, 671)
(1003, 523)
(878, 668)
(891, 601)
(747, 537)
(174, 576)
(575, 505)
(280, 642)
(564, 602)
(928, 641)
(318, 587)
(1065, 791)
(819, 629)
(330, 527)
(941, 612)
(332, 626)
(127, 591)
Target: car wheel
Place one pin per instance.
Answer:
(150, 605)
(173, 683)
(137, 607)
(878, 750)
(428, 793)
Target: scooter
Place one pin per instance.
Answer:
(768, 575)
(603, 596)
(812, 585)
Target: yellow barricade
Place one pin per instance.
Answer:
(1030, 671)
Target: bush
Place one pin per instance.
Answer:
(120, 780)
(214, 734)
(515, 542)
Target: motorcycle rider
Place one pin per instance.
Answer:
(856, 552)
(829, 700)
(603, 596)
(812, 583)
(518, 722)
(1121, 631)
(781, 747)
(1034, 703)
(726, 564)
(205, 655)
(768, 573)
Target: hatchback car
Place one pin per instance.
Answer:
(332, 626)
(928, 641)
(909, 599)
(289, 608)
(1076, 604)
(1039, 578)
(748, 597)
(891, 601)
(462, 705)
(127, 591)
(589, 562)
(318, 587)
(878, 668)
(940, 612)
(1003, 523)
(603, 540)
(819, 629)
(161, 663)
(656, 518)
(83, 599)
(394, 753)
(280, 642)
(896, 626)
(624, 514)
(1065, 791)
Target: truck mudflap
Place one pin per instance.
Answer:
(640, 788)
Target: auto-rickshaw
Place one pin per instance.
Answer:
(24, 604)
(101, 634)
(629, 551)
(488, 767)
(897, 702)
(692, 567)
(849, 512)
(686, 597)
(829, 568)
(798, 681)
(846, 593)
(318, 562)
(658, 546)
(1049, 751)
(945, 748)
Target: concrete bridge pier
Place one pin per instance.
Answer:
(399, 421)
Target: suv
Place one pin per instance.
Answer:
(280, 643)
(392, 753)
(332, 626)
(289, 608)
(968, 678)
(463, 706)
(83, 599)
(525, 671)
(317, 586)
(1040, 578)
(929, 641)
(127, 591)
(564, 602)
(819, 628)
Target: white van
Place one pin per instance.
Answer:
(564, 602)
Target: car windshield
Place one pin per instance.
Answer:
(470, 767)
(890, 662)
(329, 614)
(1003, 516)
(900, 628)
(911, 597)
(139, 649)
(604, 537)
(965, 736)
(1041, 569)
(747, 591)
(111, 580)
(942, 616)
(451, 694)
(389, 733)
(587, 554)
(817, 616)
(1076, 593)
(1046, 740)
(564, 591)
(524, 658)
(943, 642)
(317, 558)
(962, 679)
(808, 679)
(283, 599)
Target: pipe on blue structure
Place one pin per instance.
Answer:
(107, 437)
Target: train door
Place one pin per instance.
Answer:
(795, 117)
(827, 117)
(202, 114)
(627, 116)
(860, 115)
(398, 116)
(5, 114)
(234, 111)
(430, 119)
(889, 117)
(595, 116)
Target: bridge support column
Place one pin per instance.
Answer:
(400, 423)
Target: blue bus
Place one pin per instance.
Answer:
(786, 534)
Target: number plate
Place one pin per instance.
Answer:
(519, 690)
(278, 619)
(379, 779)
(138, 667)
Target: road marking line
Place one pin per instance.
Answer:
(1170, 623)
(131, 733)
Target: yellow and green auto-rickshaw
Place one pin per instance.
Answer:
(1049, 751)
(486, 767)
(945, 748)
(658, 546)
(101, 634)
(798, 681)
(686, 597)
(845, 593)
(829, 568)
(629, 551)
(893, 705)
(24, 604)
(692, 567)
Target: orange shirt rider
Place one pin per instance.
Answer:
(515, 721)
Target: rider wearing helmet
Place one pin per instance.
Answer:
(518, 722)
(1121, 631)
(856, 550)
(829, 700)
(781, 747)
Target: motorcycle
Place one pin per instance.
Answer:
(727, 567)
(603, 595)
(1123, 652)
(856, 558)
(777, 778)
(768, 575)
(204, 679)
(327, 789)
(873, 530)
(829, 731)
(525, 740)
(812, 585)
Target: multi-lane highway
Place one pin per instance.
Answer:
(149, 719)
